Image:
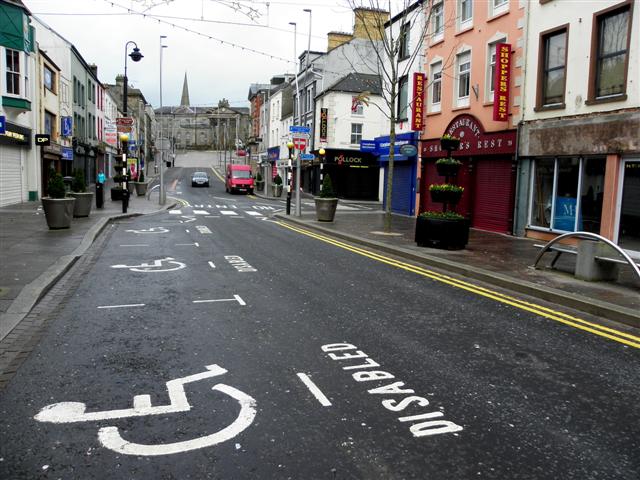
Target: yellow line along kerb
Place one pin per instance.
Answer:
(600, 330)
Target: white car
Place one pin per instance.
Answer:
(199, 179)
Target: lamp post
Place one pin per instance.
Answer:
(162, 196)
(124, 141)
(136, 56)
(290, 147)
(321, 154)
(297, 185)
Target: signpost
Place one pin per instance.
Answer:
(307, 156)
(299, 129)
(300, 143)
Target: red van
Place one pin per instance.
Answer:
(239, 179)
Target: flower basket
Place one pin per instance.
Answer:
(450, 144)
(446, 196)
(447, 169)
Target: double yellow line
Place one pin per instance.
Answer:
(596, 329)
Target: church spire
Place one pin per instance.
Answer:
(184, 102)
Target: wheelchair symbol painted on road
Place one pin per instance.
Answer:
(155, 266)
(110, 437)
(150, 230)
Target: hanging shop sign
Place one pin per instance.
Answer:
(324, 115)
(15, 135)
(502, 81)
(418, 102)
(473, 139)
(273, 154)
(43, 140)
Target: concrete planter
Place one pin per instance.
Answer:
(141, 188)
(442, 233)
(277, 190)
(131, 186)
(325, 208)
(82, 207)
(58, 212)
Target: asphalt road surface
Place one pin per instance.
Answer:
(212, 341)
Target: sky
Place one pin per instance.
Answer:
(100, 29)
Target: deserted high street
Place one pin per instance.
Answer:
(217, 340)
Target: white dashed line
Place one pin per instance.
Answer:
(200, 212)
(212, 265)
(123, 306)
(175, 212)
(324, 401)
(254, 214)
(228, 212)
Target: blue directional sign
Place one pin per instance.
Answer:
(3, 128)
(299, 129)
(67, 126)
(307, 156)
(367, 145)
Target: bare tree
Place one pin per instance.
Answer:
(393, 60)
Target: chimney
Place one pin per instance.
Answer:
(335, 39)
(369, 23)
(94, 69)
(120, 80)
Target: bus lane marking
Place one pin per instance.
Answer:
(394, 404)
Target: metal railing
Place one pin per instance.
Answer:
(588, 236)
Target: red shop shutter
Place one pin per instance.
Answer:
(494, 188)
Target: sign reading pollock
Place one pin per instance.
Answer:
(418, 101)
(501, 83)
(324, 115)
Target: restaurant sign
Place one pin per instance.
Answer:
(473, 139)
(418, 102)
(501, 82)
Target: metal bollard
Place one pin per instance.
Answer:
(125, 199)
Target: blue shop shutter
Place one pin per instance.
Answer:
(403, 194)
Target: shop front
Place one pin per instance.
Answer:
(354, 174)
(14, 143)
(581, 174)
(488, 173)
(405, 170)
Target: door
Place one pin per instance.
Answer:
(493, 195)
(629, 225)
(404, 188)
(10, 175)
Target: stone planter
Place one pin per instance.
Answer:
(276, 190)
(131, 186)
(116, 194)
(442, 233)
(82, 207)
(58, 212)
(141, 188)
(260, 185)
(325, 208)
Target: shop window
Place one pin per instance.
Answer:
(13, 72)
(555, 203)
(403, 98)
(552, 59)
(356, 133)
(610, 53)
(463, 67)
(436, 86)
(437, 21)
(465, 14)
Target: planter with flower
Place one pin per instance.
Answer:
(327, 202)
(276, 186)
(141, 185)
(445, 193)
(448, 167)
(58, 208)
(118, 178)
(449, 142)
(84, 199)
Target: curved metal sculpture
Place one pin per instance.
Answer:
(589, 236)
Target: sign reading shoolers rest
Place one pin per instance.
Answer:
(501, 82)
(395, 396)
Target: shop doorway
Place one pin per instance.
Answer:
(629, 224)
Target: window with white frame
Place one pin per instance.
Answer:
(12, 67)
(357, 108)
(403, 50)
(465, 14)
(491, 69)
(436, 86)
(403, 99)
(437, 21)
(496, 7)
(463, 78)
(356, 133)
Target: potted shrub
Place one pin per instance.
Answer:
(326, 202)
(141, 185)
(449, 142)
(58, 210)
(259, 181)
(448, 230)
(277, 186)
(448, 167)
(118, 178)
(84, 199)
(445, 193)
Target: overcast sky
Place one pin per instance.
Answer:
(215, 71)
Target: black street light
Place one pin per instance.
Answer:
(136, 56)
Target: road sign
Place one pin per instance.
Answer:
(124, 121)
(299, 129)
(300, 143)
(307, 156)
(2, 124)
(67, 126)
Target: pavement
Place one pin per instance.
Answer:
(33, 257)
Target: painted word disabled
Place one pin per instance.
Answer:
(167, 264)
(110, 437)
(149, 230)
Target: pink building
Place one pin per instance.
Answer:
(465, 46)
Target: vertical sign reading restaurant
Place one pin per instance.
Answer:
(501, 82)
(418, 101)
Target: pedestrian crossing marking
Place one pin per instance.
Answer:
(254, 214)
(200, 212)
(228, 212)
(175, 212)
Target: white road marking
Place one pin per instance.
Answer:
(150, 230)
(135, 245)
(212, 265)
(236, 298)
(187, 244)
(69, 412)
(255, 214)
(203, 229)
(239, 263)
(263, 207)
(313, 388)
(228, 212)
(175, 212)
(153, 266)
(200, 212)
(186, 230)
(189, 219)
(212, 216)
(123, 306)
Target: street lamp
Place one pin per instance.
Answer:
(162, 194)
(136, 56)
(295, 61)
(290, 147)
(124, 140)
(321, 154)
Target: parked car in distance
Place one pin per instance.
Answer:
(199, 179)
(239, 179)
